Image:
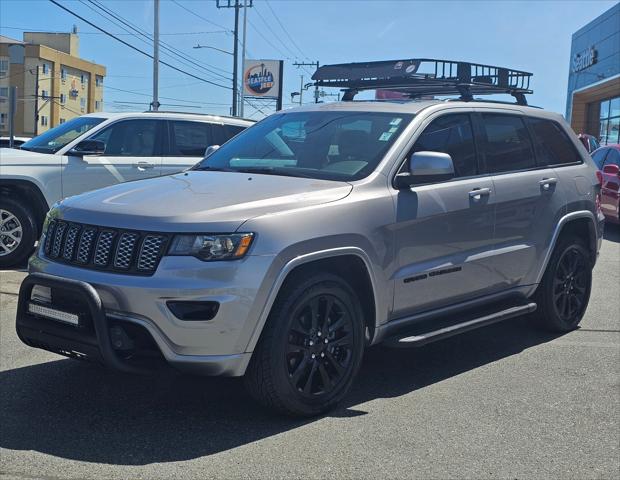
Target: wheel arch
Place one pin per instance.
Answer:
(31, 194)
(581, 223)
(350, 263)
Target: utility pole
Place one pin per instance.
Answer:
(235, 90)
(36, 102)
(301, 90)
(12, 106)
(155, 102)
(316, 87)
(245, 25)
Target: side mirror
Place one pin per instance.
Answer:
(426, 167)
(88, 147)
(210, 149)
(611, 169)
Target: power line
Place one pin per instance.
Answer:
(149, 39)
(274, 34)
(131, 92)
(286, 31)
(30, 29)
(136, 48)
(201, 17)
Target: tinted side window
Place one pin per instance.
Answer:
(218, 134)
(613, 158)
(451, 134)
(189, 139)
(599, 157)
(131, 138)
(507, 143)
(553, 147)
(232, 130)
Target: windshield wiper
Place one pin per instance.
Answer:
(285, 172)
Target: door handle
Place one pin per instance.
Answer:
(546, 183)
(477, 193)
(142, 166)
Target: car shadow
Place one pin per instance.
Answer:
(82, 412)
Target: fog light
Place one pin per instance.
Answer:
(193, 311)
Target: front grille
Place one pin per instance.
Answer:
(103, 248)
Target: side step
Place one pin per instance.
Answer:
(427, 337)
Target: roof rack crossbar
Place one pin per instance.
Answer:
(424, 77)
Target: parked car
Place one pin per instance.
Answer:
(317, 232)
(589, 141)
(90, 152)
(607, 160)
(5, 142)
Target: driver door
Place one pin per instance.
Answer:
(132, 152)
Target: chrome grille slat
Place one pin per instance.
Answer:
(58, 238)
(103, 248)
(125, 249)
(150, 252)
(86, 245)
(70, 241)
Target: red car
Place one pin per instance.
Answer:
(607, 160)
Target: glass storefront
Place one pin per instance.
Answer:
(610, 121)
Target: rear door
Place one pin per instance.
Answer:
(133, 150)
(443, 229)
(529, 199)
(188, 140)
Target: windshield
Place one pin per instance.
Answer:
(56, 138)
(326, 145)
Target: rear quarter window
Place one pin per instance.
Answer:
(507, 144)
(553, 146)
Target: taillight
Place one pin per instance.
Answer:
(597, 203)
(599, 177)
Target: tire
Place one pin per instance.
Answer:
(283, 375)
(15, 219)
(562, 296)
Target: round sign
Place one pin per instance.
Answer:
(258, 79)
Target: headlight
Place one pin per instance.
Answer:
(212, 247)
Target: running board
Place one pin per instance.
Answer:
(432, 336)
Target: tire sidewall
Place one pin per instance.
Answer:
(29, 229)
(315, 286)
(554, 320)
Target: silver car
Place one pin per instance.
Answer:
(317, 232)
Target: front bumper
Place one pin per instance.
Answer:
(215, 347)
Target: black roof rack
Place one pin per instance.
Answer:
(420, 77)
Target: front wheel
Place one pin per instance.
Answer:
(17, 232)
(563, 295)
(311, 348)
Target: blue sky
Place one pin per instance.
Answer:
(530, 35)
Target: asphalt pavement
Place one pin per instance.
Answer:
(506, 401)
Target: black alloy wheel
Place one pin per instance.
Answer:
(570, 285)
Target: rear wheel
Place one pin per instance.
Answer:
(563, 295)
(17, 232)
(311, 347)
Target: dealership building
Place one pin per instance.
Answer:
(593, 103)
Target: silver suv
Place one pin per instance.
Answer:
(316, 233)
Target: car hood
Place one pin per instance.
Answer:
(197, 201)
(14, 157)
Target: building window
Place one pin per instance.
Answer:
(43, 120)
(4, 92)
(62, 120)
(63, 98)
(97, 105)
(46, 68)
(63, 74)
(3, 117)
(610, 121)
(4, 67)
(44, 94)
(98, 81)
(83, 79)
(82, 102)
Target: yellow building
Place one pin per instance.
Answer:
(53, 83)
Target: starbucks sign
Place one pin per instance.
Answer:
(585, 59)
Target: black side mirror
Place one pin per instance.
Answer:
(88, 147)
(426, 167)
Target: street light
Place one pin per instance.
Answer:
(213, 48)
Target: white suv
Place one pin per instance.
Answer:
(94, 151)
